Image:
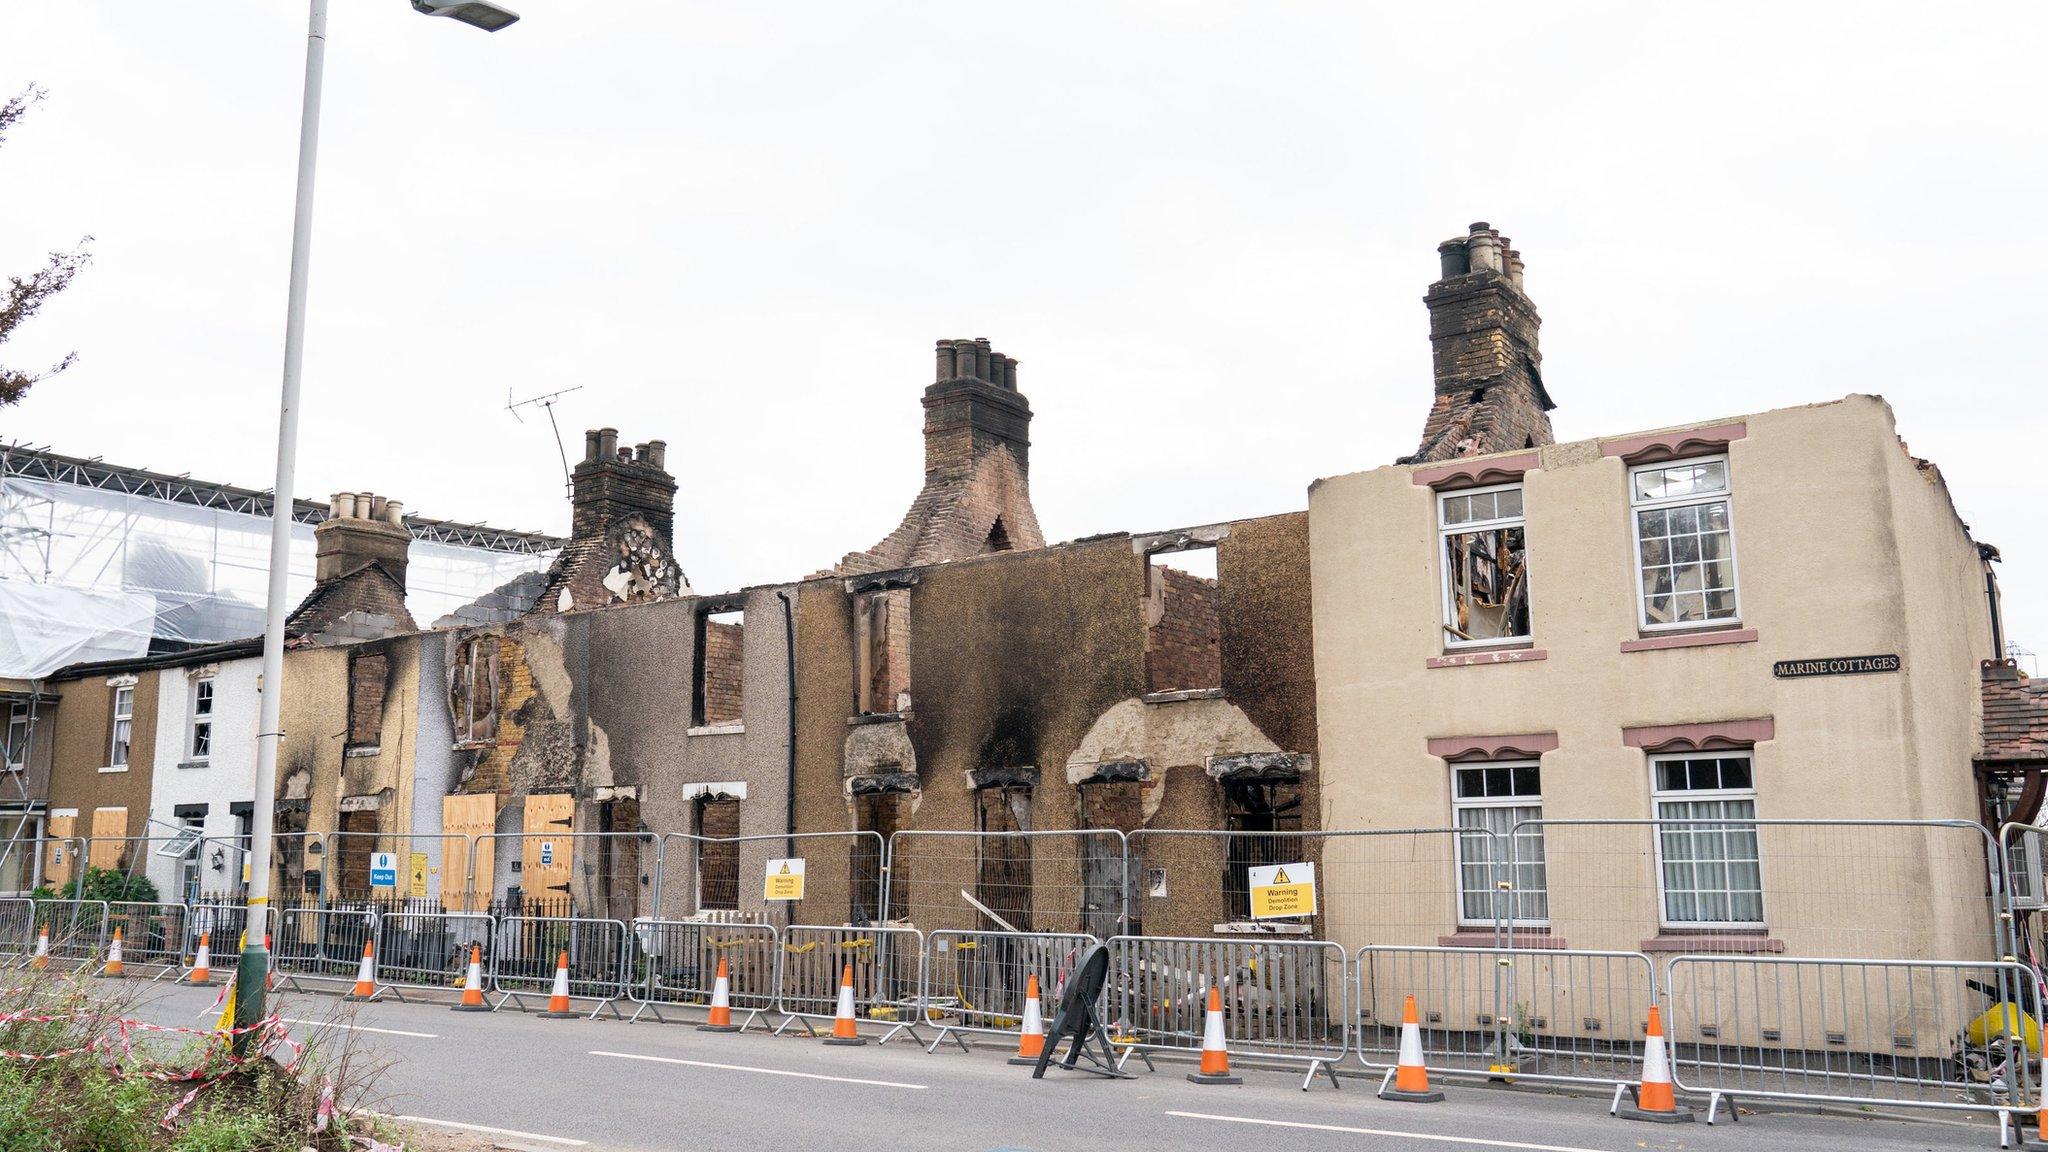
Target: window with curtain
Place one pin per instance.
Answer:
(1709, 873)
(1490, 800)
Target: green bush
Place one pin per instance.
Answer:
(102, 884)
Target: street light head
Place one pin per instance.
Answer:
(475, 13)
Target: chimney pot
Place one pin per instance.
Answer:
(655, 454)
(1484, 251)
(981, 354)
(963, 359)
(394, 513)
(1515, 269)
(607, 443)
(376, 509)
(590, 444)
(343, 506)
(1452, 258)
(1010, 373)
(945, 365)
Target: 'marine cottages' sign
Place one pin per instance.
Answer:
(1834, 666)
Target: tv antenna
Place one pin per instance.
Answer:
(547, 402)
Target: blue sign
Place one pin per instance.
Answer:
(547, 853)
(383, 870)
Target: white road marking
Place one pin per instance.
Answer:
(763, 1071)
(1469, 1141)
(361, 1028)
(513, 1132)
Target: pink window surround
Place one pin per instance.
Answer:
(1526, 746)
(1474, 473)
(1713, 943)
(1675, 445)
(1713, 736)
(1690, 640)
(1483, 938)
(1490, 656)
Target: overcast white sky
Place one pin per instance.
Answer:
(1203, 229)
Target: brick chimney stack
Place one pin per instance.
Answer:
(1489, 394)
(361, 528)
(612, 482)
(973, 405)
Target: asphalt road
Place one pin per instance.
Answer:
(651, 1087)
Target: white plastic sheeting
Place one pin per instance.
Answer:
(203, 569)
(44, 627)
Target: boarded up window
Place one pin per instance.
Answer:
(368, 672)
(1259, 816)
(1184, 623)
(544, 868)
(109, 825)
(721, 668)
(352, 851)
(882, 813)
(61, 857)
(882, 650)
(464, 817)
(718, 857)
(1003, 877)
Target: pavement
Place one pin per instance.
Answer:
(608, 1086)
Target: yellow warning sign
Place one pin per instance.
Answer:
(1282, 890)
(785, 880)
(417, 881)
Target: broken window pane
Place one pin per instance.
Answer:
(1260, 817)
(1685, 542)
(1485, 566)
(1183, 621)
(721, 667)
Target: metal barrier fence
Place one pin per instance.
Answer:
(1541, 1014)
(1282, 999)
(1923, 1034)
(677, 964)
(152, 934)
(17, 925)
(887, 967)
(78, 929)
(430, 949)
(596, 873)
(842, 878)
(1053, 881)
(529, 949)
(975, 982)
(436, 867)
(222, 924)
(322, 944)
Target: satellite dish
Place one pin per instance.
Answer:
(1077, 1022)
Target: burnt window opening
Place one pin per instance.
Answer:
(998, 538)
(882, 651)
(368, 674)
(720, 675)
(1260, 818)
(1183, 621)
(882, 813)
(1002, 879)
(1485, 565)
(352, 851)
(619, 856)
(718, 856)
(475, 691)
(1118, 805)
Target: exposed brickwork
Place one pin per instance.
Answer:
(369, 590)
(2015, 714)
(977, 453)
(1489, 394)
(723, 672)
(622, 528)
(368, 673)
(883, 618)
(1183, 646)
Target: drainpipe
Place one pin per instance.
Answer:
(789, 669)
(1990, 554)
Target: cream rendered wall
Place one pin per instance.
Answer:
(228, 776)
(1842, 549)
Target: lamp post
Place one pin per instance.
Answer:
(253, 969)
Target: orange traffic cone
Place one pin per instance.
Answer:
(366, 976)
(113, 969)
(42, 959)
(558, 1000)
(2041, 1114)
(843, 1030)
(270, 970)
(1215, 1054)
(1654, 1100)
(202, 963)
(721, 1002)
(473, 984)
(1031, 1041)
(1411, 1076)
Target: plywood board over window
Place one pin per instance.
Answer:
(109, 825)
(548, 820)
(467, 819)
(60, 855)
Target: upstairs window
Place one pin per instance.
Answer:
(1685, 543)
(1183, 621)
(367, 676)
(882, 650)
(1485, 565)
(202, 718)
(721, 669)
(475, 691)
(1710, 874)
(123, 725)
(17, 735)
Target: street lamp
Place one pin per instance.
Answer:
(253, 969)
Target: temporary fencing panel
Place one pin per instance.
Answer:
(1541, 1013)
(1049, 881)
(429, 868)
(887, 973)
(222, 924)
(551, 871)
(678, 964)
(152, 934)
(977, 981)
(727, 878)
(78, 928)
(1282, 999)
(530, 947)
(323, 944)
(430, 948)
(1928, 1034)
(17, 925)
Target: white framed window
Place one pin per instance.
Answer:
(1487, 802)
(1485, 565)
(201, 745)
(1709, 875)
(123, 727)
(17, 735)
(1685, 543)
(21, 869)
